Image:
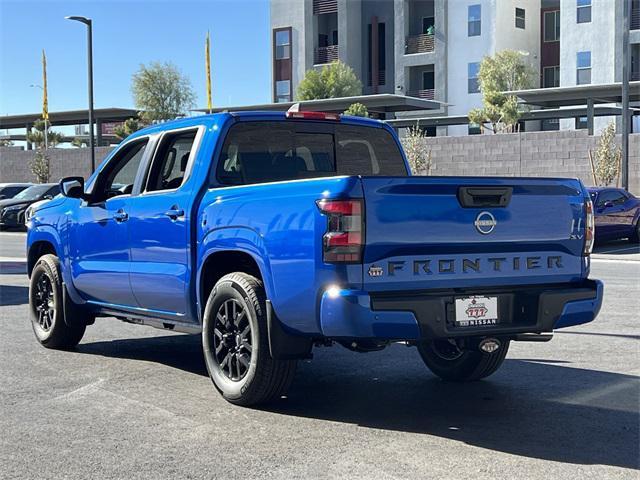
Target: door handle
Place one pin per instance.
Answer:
(121, 216)
(174, 212)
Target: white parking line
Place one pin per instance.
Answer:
(615, 260)
(634, 249)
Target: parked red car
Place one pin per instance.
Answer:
(617, 214)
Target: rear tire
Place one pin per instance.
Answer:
(446, 360)
(46, 306)
(236, 345)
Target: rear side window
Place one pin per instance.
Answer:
(260, 152)
(171, 161)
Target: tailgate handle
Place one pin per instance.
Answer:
(470, 197)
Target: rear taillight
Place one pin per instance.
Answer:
(589, 230)
(314, 115)
(344, 238)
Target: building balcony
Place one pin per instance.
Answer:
(634, 20)
(326, 54)
(423, 43)
(428, 94)
(321, 7)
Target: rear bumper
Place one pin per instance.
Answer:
(414, 316)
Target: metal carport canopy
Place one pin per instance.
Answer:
(577, 95)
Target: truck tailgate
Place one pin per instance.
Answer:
(448, 232)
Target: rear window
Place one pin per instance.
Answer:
(260, 152)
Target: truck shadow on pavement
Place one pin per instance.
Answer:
(13, 295)
(532, 408)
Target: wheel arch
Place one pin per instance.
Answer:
(37, 249)
(220, 262)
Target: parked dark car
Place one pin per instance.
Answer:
(10, 190)
(617, 214)
(12, 210)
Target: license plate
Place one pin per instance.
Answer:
(476, 311)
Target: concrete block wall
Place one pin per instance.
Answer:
(538, 154)
(550, 154)
(64, 162)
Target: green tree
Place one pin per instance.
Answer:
(505, 71)
(5, 142)
(126, 128)
(40, 167)
(357, 110)
(161, 92)
(36, 135)
(332, 81)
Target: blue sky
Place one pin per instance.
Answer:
(125, 35)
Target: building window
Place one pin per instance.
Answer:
(552, 26)
(550, 124)
(283, 44)
(551, 77)
(474, 129)
(581, 123)
(472, 82)
(428, 25)
(283, 91)
(583, 68)
(428, 81)
(382, 54)
(583, 14)
(282, 68)
(475, 20)
(520, 18)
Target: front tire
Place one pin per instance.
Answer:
(236, 345)
(449, 362)
(46, 307)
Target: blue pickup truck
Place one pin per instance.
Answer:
(271, 233)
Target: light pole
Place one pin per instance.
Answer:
(87, 22)
(46, 124)
(626, 63)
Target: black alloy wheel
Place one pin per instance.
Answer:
(232, 340)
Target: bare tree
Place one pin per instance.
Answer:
(605, 160)
(417, 151)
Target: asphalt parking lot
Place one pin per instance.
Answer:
(134, 402)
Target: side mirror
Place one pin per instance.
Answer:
(608, 204)
(2, 197)
(72, 187)
(47, 197)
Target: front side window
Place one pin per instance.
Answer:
(520, 18)
(261, 152)
(474, 20)
(551, 77)
(473, 85)
(611, 197)
(170, 164)
(120, 173)
(583, 13)
(583, 66)
(552, 26)
(283, 44)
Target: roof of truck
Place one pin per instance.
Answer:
(219, 118)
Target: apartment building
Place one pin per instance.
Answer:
(432, 48)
